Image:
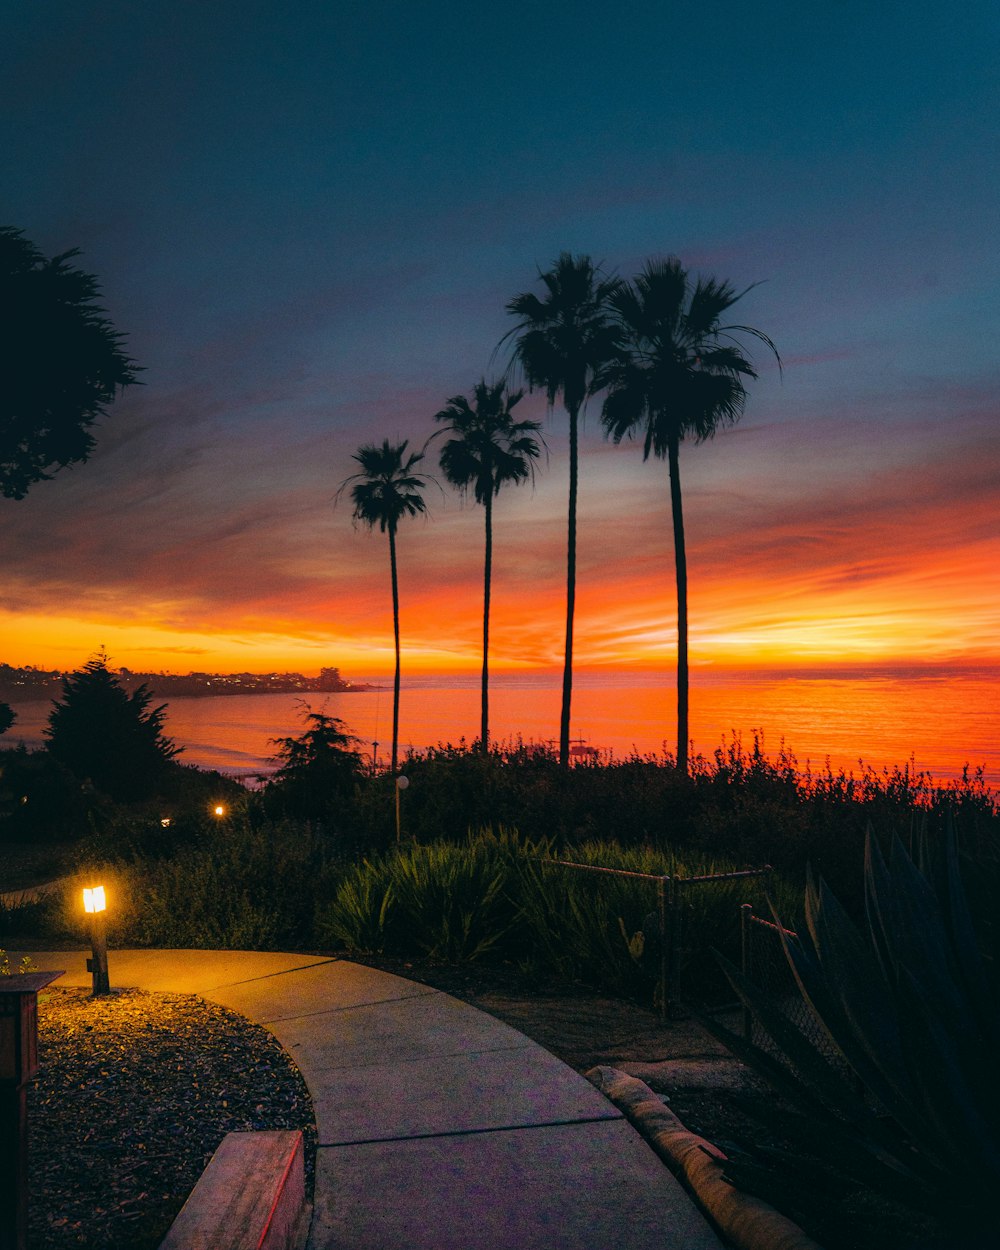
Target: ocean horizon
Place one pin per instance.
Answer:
(936, 719)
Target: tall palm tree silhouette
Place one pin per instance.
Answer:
(487, 450)
(562, 341)
(678, 374)
(383, 492)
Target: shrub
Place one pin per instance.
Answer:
(445, 901)
(318, 771)
(242, 883)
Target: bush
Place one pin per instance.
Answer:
(239, 883)
(499, 896)
(319, 770)
(445, 901)
(42, 801)
(738, 804)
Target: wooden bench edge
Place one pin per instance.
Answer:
(251, 1196)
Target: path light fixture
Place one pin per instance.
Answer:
(95, 905)
(401, 783)
(18, 1065)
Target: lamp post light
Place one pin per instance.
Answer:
(401, 783)
(95, 905)
(18, 1064)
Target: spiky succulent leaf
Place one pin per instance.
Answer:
(971, 968)
(913, 1011)
(808, 1080)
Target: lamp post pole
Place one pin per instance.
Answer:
(97, 966)
(99, 945)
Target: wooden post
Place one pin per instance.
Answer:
(661, 902)
(18, 1064)
(674, 938)
(746, 912)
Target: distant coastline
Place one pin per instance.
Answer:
(28, 684)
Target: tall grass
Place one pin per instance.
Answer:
(498, 896)
(605, 929)
(444, 900)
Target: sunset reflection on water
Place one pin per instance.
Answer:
(943, 720)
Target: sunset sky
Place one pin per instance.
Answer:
(308, 219)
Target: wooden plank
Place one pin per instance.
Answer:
(250, 1197)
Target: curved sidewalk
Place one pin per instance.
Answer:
(439, 1127)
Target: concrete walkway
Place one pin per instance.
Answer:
(440, 1128)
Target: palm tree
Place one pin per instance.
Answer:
(487, 450)
(563, 341)
(678, 374)
(386, 490)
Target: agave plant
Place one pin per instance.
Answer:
(908, 1103)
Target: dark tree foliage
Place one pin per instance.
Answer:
(318, 768)
(42, 801)
(7, 717)
(108, 736)
(62, 363)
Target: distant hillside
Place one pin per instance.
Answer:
(23, 685)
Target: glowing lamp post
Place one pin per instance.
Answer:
(95, 904)
(18, 1064)
(219, 810)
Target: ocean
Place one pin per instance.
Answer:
(939, 720)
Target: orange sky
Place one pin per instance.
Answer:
(882, 561)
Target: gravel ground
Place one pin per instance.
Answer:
(134, 1094)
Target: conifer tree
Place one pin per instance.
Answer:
(112, 738)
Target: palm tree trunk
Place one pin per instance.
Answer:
(567, 688)
(680, 564)
(484, 733)
(395, 631)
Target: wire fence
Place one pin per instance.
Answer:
(764, 962)
(665, 933)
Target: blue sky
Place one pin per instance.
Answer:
(308, 220)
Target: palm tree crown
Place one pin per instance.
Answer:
(677, 370)
(386, 489)
(567, 337)
(677, 373)
(383, 492)
(487, 450)
(563, 343)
